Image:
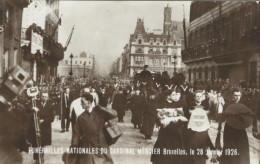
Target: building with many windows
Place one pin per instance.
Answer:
(41, 50)
(160, 50)
(224, 42)
(10, 33)
(82, 64)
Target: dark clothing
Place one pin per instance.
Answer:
(149, 118)
(197, 141)
(47, 114)
(170, 138)
(103, 99)
(138, 104)
(119, 104)
(89, 133)
(235, 139)
(65, 119)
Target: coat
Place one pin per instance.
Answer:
(119, 104)
(235, 140)
(89, 134)
(149, 118)
(170, 138)
(138, 105)
(103, 99)
(47, 114)
(66, 102)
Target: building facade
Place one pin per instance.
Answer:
(160, 50)
(10, 33)
(41, 50)
(82, 64)
(224, 42)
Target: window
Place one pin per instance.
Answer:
(151, 51)
(165, 52)
(139, 41)
(174, 42)
(164, 42)
(157, 62)
(139, 58)
(163, 62)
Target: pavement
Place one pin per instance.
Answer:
(131, 148)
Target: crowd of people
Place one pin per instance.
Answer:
(153, 101)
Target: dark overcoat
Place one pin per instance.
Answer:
(66, 110)
(149, 118)
(89, 134)
(119, 104)
(47, 114)
(103, 99)
(138, 105)
(235, 140)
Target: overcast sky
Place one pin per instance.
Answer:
(103, 28)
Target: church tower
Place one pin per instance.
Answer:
(167, 20)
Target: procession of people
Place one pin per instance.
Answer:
(182, 112)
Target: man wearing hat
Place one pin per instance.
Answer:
(235, 141)
(146, 77)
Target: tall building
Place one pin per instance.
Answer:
(41, 50)
(10, 33)
(160, 50)
(82, 64)
(224, 42)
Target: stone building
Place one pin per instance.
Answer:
(41, 50)
(224, 42)
(10, 33)
(84, 63)
(160, 50)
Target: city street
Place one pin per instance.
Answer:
(59, 57)
(131, 139)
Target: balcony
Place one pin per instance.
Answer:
(215, 48)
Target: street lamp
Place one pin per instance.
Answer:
(174, 63)
(71, 57)
(84, 68)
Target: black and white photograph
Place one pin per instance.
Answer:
(129, 82)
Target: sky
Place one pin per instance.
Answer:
(103, 28)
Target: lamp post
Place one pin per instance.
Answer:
(174, 63)
(71, 57)
(84, 69)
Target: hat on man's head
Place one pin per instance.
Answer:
(238, 116)
(145, 66)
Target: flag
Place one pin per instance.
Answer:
(58, 23)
